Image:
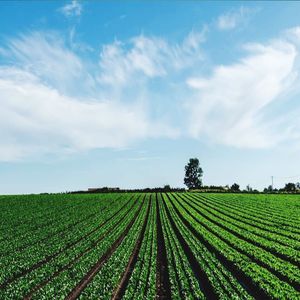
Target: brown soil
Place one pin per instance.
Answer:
(163, 290)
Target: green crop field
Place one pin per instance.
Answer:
(150, 246)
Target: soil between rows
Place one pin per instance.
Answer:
(121, 288)
(77, 290)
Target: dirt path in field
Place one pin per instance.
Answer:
(52, 256)
(73, 261)
(241, 277)
(204, 283)
(77, 290)
(121, 288)
(163, 288)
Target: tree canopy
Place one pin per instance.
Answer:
(235, 187)
(290, 187)
(193, 174)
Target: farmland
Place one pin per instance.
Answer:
(148, 246)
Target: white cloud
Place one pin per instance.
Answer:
(229, 107)
(74, 8)
(148, 57)
(234, 18)
(55, 101)
(45, 55)
(35, 119)
(293, 34)
(76, 44)
(51, 103)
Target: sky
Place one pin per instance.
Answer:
(123, 93)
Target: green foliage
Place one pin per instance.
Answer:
(235, 187)
(49, 243)
(290, 187)
(193, 174)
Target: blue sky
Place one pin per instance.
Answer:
(124, 93)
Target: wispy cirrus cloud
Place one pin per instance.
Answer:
(234, 18)
(149, 57)
(47, 56)
(72, 9)
(55, 100)
(52, 100)
(231, 106)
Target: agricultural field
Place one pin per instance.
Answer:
(150, 246)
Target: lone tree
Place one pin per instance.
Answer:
(235, 187)
(193, 174)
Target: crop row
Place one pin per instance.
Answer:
(150, 246)
(246, 233)
(100, 249)
(260, 268)
(58, 230)
(255, 224)
(106, 281)
(141, 284)
(267, 208)
(36, 213)
(214, 278)
(82, 245)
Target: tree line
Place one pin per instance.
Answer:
(193, 181)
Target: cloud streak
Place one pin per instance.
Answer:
(72, 9)
(234, 18)
(56, 101)
(51, 104)
(230, 106)
(149, 57)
